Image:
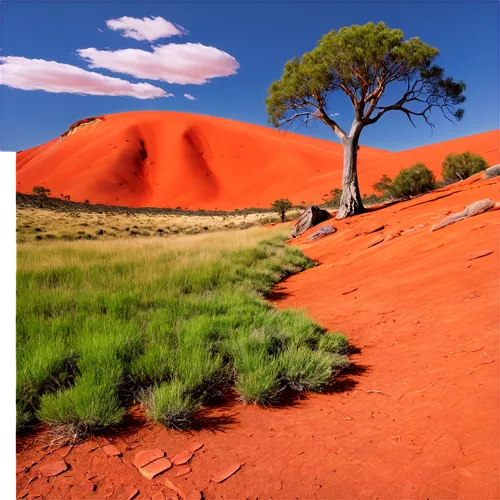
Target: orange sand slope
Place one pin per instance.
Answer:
(166, 159)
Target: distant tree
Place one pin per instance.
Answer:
(67, 197)
(457, 167)
(362, 62)
(41, 193)
(417, 179)
(281, 207)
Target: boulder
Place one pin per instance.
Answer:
(322, 232)
(312, 216)
(491, 172)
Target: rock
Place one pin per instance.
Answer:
(111, 450)
(172, 486)
(182, 458)
(158, 496)
(478, 255)
(194, 495)
(131, 493)
(195, 447)
(222, 476)
(322, 232)
(476, 208)
(87, 486)
(154, 468)
(147, 456)
(311, 217)
(183, 471)
(54, 468)
(493, 171)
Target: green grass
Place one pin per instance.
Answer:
(172, 322)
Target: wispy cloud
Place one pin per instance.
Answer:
(190, 97)
(188, 63)
(148, 28)
(51, 76)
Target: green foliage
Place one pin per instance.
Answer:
(457, 167)
(281, 207)
(334, 343)
(361, 61)
(41, 194)
(383, 185)
(334, 202)
(99, 325)
(411, 181)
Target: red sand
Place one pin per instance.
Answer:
(166, 159)
(417, 418)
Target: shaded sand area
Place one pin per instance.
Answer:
(417, 416)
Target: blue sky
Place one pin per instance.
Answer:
(261, 37)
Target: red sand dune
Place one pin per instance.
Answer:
(419, 421)
(166, 159)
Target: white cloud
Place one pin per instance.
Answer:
(188, 63)
(51, 76)
(190, 97)
(148, 28)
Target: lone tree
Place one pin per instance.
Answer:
(41, 193)
(361, 62)
(281, 207)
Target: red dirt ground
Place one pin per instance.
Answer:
(166, 159)
(418, 417)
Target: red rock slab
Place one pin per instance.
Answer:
(182, 458)
(154, 468)
(222, 476)
(478, 255)
(172, 486)
(131, 493)
(183, 471)
(194, 495)
(54, 468)
(87, 485)
(158, 496)
(111, 450)
(147, 456)
(195, 447)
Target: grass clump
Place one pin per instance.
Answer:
(334, 343)
(172, 323)
(457, 167)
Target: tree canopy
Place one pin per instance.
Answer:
(360, 62)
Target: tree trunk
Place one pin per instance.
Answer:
(350, 203)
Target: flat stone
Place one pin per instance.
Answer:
(158, 496)
(195, 447)
(147, 456)
(182, 458)
(478, 255)
(194, 495)
(111, 450)
(322, 232)
(172, 486)
(222, 476)
(131, 493)
(154, 468)
(87, 485)
(183, 470)
(54, 468)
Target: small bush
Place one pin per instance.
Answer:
(457, 167)
(306, 370)
(412, 181)
(334, 202)
(334, 343)
(170, 405)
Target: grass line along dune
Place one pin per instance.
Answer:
(172, 323)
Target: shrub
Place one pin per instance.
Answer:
(383, 185)
(281, 207)
(417, 179)
(42, 194)
(334, 343)
(334, 202)
(457, 167)
(170, 405)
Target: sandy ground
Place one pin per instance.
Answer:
(417, 417)
(166, 159)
